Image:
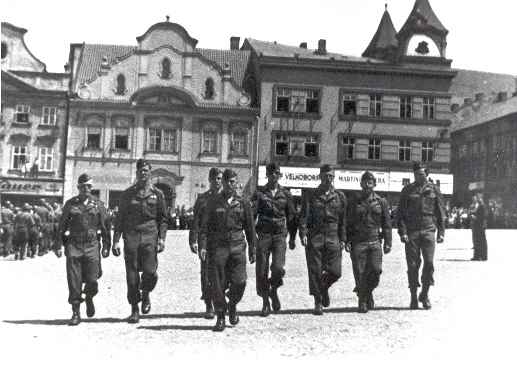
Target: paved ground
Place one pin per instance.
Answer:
(472, 316)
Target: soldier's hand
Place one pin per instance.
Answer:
(58, 252)
(304, 241)
(116, 249)
(348, 247)
(202, 254)
(252, 257)
(439, 239)
(193, 248)
(404, 239)
(386, 248)
(161, 246)
(292, 244)
(105, 252)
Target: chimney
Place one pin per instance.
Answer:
(502, 96)
(480, 97)
(303, 45)
(235, 43)
(322, 47)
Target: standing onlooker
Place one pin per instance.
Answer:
(478, 217)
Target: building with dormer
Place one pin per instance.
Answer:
(33, 123)
(380, 111)
(183, 108)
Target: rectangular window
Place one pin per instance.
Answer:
(209, 141)
(46, 159)
(349, 105)
(169, 140)
(375, 105)
(297, 145)
(20, 157)
(297, 100)
(122, 138)
(405, 107)
(240, 143)
(374, 149)
(312, 147)
(429, 107)
(404, 150)
(93, 140)
(155, 139)
(22, 113)
(281, 145)
(348, 147)
(49, 116)
(428, 151)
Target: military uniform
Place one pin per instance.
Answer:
(35, 235)
(478, 225)
(78, 227)
(142, 221)
(23, 225)
(7, 231)
(276, 217)
(45, 227)
(225, 222)
(323, 222)
(369, 222)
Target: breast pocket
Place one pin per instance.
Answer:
(376, 211)
(428, 202)
(150, 205)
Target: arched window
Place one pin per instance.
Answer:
(166, 68)
(4, 50)
(209, 88)
(121, 85)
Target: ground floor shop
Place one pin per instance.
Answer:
(19, 190)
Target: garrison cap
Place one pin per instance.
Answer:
(368, 176)
(213, 173)
(84, 179)
(417, 166)
(140, 163)
(325, 169)
(272, 168)
(228, 173)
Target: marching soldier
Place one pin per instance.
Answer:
(7, 229)
(323, 234)
(142, 220)
(226, 221)
(45, 226)
(215, 177)
(35, 234)
(421, 215)
(275, 217)
(83, 216)
(369, 223)
(23, 225)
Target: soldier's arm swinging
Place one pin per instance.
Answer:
(161, 221)
(439, 212)
(304, 220)
(193, 235)
(104, 224)
(342, 228)
(119, 222)
(62, 229)
(401, 223)
(386, 226)
(249, 230)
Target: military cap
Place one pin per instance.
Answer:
(272, 168)
(140, 163)
(26, 207)
(213, 173)
(325, 169)
(228, 173)
(417, 166)
(368, 176)
(84, 179)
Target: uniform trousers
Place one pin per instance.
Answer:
(480, 243)
(82, 266)
(270, 245)
(421, 245)
(367, 266)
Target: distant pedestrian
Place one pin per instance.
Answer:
(478, 219)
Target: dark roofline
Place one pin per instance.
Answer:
(168, 25)
(483, 123)
(431, 15)
(385, 22)
(40, 73)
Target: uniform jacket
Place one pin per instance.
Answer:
(141, 210)
(323, 213)
(199, 208)
(479, 217)
(369, 219)
(421, 208)
(7, 216)
(83, 220)
(274, 213)
(226, 221)
(43, 213)
(24, 222)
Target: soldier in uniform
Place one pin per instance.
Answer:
(57, 209)
(215, 177)
(225, 222)
(369, 223)
(45, 226)
(35, 234)
(83, 215)
(275, 215)
(7, 229)
(142, 221)
(323, 234)
(478, 218)
(421, 215)
(23, 226)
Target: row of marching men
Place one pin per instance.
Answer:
(229, 230)
(28, 230)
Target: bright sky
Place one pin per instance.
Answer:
(482, 34)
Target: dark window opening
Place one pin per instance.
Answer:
(312, 102)
(166, 68)
(374, 149)
(349, 105)
(94, 138)
(405, 107)
(209, 88)
(348, 147)
(121, 85)
(375, 105)
(4, 50)
(122, 140)
(404, 150)
(282, 104)
(281, 145)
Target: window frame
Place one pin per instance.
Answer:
(245, 151)
(405, 150)
(429, 108)
(310, 96)
(348, 97)
(288, 138)
(406, 107)
(87, 145)
(215, 132)
(372, 149)
(14, 154)
(116, 134)
(348, 147)
(425, 150)
(17, 112)
(376, 101)
(49, 115)
(121, 88)
(49, 152)
(162, 68)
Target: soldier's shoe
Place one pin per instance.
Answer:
(325, 298)
(232, 314)
(275, 301)
(135, 315)
(424, 299)
(220, 324)
(16, 256)
(266, 307)
(413, 305)
(146, 302)
(76, 316)
(318, 308)
(370, 302)
(363, 306)
(209, 311)
(90, 307)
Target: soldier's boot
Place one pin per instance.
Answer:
(135, 315)
(232, 314)
(414, 300)
(318, 307)
(362, 303)
(325, 298)
(90, 306)
(266, 307)
(370, 302)
(209, 310)
(220, 323)
(424, 297)
(76, 315)
(146, 302)
(275, 301)
(16, 255)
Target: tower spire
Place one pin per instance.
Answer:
(384, 42)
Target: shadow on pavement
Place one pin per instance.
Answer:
(176, 327)
(455, 260)
(65, 321)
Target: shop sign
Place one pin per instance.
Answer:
(19, 186)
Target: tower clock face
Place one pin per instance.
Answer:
(244, 100)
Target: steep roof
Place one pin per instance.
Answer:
(384, 38)
(482, 112)
(423, 10)
(92, 55)
(468, 83)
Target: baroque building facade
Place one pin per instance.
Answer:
(182, 108)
